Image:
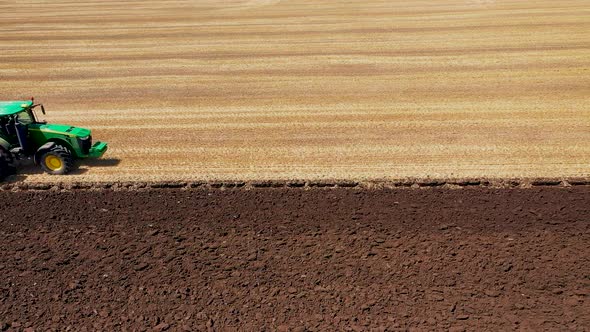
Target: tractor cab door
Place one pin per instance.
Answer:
(6, 133)
(22, 133)
(7, 126)
(21, 128)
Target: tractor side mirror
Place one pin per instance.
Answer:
(42, 109)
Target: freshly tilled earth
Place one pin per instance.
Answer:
(291, 259)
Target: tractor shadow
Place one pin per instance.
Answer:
(27, 168)
(102, 162)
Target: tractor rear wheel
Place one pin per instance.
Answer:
(57, 161)
(6, 164)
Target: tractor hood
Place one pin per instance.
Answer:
(63, 130)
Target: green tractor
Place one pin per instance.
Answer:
(54, 147)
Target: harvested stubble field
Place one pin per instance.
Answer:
(268, 89)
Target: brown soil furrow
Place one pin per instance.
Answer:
(285, 259)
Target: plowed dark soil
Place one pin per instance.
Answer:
(289, 259)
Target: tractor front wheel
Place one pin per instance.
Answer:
(6, 164)
(57, 161)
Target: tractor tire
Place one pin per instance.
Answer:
(57, 161)
(6, 164)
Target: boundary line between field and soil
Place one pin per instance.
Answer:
(298, 184)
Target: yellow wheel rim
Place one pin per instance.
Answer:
(53, 163)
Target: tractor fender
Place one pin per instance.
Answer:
(44, 148)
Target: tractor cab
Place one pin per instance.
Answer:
(17, 126)
(54, 147)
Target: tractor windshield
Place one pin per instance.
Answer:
(26, 117)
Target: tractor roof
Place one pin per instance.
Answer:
(13, 107)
